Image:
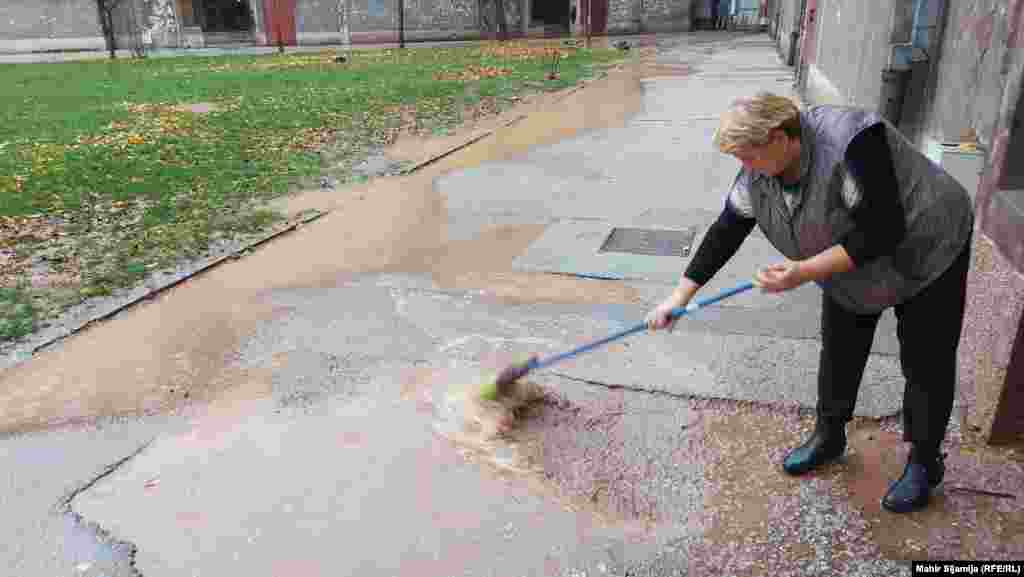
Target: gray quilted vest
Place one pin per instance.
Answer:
(939, 213)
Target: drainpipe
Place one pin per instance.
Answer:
(401, 23)
(902, 57)
(794, 36)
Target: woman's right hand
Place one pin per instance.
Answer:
(660, 317)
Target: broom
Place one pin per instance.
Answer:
(506, 379)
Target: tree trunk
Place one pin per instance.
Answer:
(106, 9)
(343, 25)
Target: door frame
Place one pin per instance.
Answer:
(279, 22)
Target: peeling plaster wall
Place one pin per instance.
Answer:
(160, 23)
(626, 16)
(970, 83)
(852, 51)
(419, 14)
(27, 25)
(512, 15)
(443, 14)
(377, 20)
(980, 88)
(317, 16)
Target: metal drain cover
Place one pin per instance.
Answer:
(650, 242)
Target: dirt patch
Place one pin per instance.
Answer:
(758, 516)
(973, 517)
(512, 439)
(580, 451)
(753, 518)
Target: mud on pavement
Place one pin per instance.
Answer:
(645, 462)
(174, 350)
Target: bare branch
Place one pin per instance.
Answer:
(108, 5)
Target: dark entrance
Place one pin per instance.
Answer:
(225, 15)
(553, 15)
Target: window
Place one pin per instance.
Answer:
(188, 14)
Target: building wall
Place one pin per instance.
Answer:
(847, 28)
(73, 24)
(984, 50)
(625, 15)
(628, 16)
(419, 14)
(159, 21)
(317, 21)
(970, 83)
(27, 25)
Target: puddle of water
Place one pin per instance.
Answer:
(88, 552)
(572, 454)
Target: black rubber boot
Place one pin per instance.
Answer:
(826, 444)
(923, 473)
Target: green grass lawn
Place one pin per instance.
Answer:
(110, 170)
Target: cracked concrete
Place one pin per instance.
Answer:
(44, 472)
(119, 549)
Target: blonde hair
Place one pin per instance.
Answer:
(749, 121)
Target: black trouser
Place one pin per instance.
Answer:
(928, 329)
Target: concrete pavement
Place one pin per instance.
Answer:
(330, 454)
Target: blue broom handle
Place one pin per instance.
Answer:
(674, 314)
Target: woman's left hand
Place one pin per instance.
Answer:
(781, 277)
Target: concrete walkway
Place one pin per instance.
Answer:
(333, 452)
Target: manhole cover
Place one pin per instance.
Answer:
(649, 242)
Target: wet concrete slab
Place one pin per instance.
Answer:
(366, 488)
(41, 471)
(688, 362)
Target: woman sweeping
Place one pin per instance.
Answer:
(855, 208)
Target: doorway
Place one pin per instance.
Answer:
(553, 15)
(279, 22)
(224, 15)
